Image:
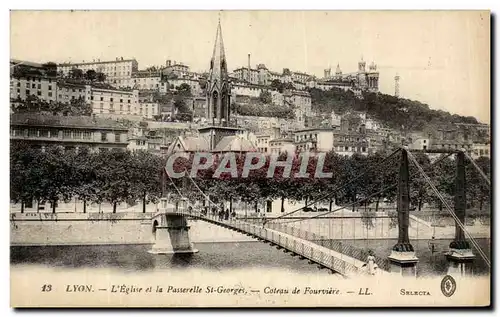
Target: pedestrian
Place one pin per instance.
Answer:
(371, 262)
(226, 215)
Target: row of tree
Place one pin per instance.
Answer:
(90, 75)
(121, 176)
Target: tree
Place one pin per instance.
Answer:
(145, 168)
(184, 113)
(76, 73)
(91, 75)
(100, 77)
(265, 97)
(24, 173)
(55, 180)
(114, 178)
(184, 90)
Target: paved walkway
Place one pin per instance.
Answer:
(333, 260)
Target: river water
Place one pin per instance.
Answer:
(218, 257)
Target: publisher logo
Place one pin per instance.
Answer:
(448, 286)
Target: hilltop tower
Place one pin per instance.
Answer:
(362, 66)
(396, 85)
(218, 92)
(338, 72)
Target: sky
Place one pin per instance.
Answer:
(442, 57)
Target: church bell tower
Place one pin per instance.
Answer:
(218, 92)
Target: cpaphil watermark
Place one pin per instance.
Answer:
(227, 164)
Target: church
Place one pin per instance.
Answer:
(219, 136)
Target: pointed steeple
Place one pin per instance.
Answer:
(218, 67)
(218, 88)
(338, 71)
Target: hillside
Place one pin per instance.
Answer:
(393, 112)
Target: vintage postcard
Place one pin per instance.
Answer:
(250, 159)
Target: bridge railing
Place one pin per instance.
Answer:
(296, 243)
(335, 245)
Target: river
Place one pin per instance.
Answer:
(219, 257)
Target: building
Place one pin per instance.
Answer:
(147, 107)
(277, 98)
(480, 149)
(118, 72)
(32, 79)
(72, 133)
(114, 101)
(361, 80)
(143, 80)
(244, 89)
(176, 69)
(262, 76)
(282, 145)
(314, 139)
(263, 143)
(301, 103)
(335, 119)
(67, 91)
(172, 84)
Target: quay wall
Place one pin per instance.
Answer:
(46, 228)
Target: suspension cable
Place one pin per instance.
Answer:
(176, 188)
(337, 189)
(363, 199)
(477, 167)
(448, 208)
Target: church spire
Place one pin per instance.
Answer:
(218, 89)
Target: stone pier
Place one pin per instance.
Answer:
(460, 257)
(403, 258)
(170, 231)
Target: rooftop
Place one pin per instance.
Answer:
(36, 119)
(99, 62)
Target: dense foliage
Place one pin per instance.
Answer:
(263, 110)
(393, 112)
(33, 104)
(121, 176)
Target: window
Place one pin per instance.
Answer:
(19, 91)
(128, 101)
(18, 84)
(33, 85)
(91, 97)
(32, 132)
(73, 89)
(103, 137)
(87, 135)
(39, 93)
(67, 134)
(77, 134)
(121, 100)
(102, 99)
(50, 94)
(111, 99)
(117, 137)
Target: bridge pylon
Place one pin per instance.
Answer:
(403, 258)
(460, 256)
(170, 230)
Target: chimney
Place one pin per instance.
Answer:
(248, 73)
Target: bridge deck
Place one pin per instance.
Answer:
(327, 258)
